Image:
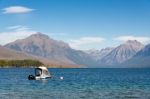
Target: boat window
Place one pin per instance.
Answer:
(38, 72)
(45, 72)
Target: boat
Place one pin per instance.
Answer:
(40, 73)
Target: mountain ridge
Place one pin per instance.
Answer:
(122, 53)
(60, 53)
(98, 54)
(140, 59)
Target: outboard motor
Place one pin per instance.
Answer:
(31, 77)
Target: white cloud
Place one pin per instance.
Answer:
(16, 32)
(141, 39)
(13, 27)
(16, 9)
(18, 28)
(85, 41)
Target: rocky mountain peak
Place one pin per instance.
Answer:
(131, 45)
(40, 36)
(123, 52)
(133, 42)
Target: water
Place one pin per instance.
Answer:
(77, 84)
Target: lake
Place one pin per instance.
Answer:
(77, 84)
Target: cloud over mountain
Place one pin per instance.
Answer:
(15, 32)
(85, 41)
(142, 39)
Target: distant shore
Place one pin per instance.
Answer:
(27, 63)
(20, 63)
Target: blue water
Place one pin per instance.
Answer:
(77, 84)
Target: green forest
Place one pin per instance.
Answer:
(20, 63)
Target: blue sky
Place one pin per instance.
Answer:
(84, 24)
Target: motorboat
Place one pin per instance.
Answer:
(40, 73)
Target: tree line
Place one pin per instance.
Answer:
(20, 63)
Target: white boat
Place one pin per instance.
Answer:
(40, 73)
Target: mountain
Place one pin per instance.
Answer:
(57, 51)
(122, 53)
(99, 54)
(9, 54)
(141, 59)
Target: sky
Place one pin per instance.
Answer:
(83, 24)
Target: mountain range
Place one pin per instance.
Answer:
(99, 54)
(58, 53)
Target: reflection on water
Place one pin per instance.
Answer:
(44, 81)
(77, 84)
